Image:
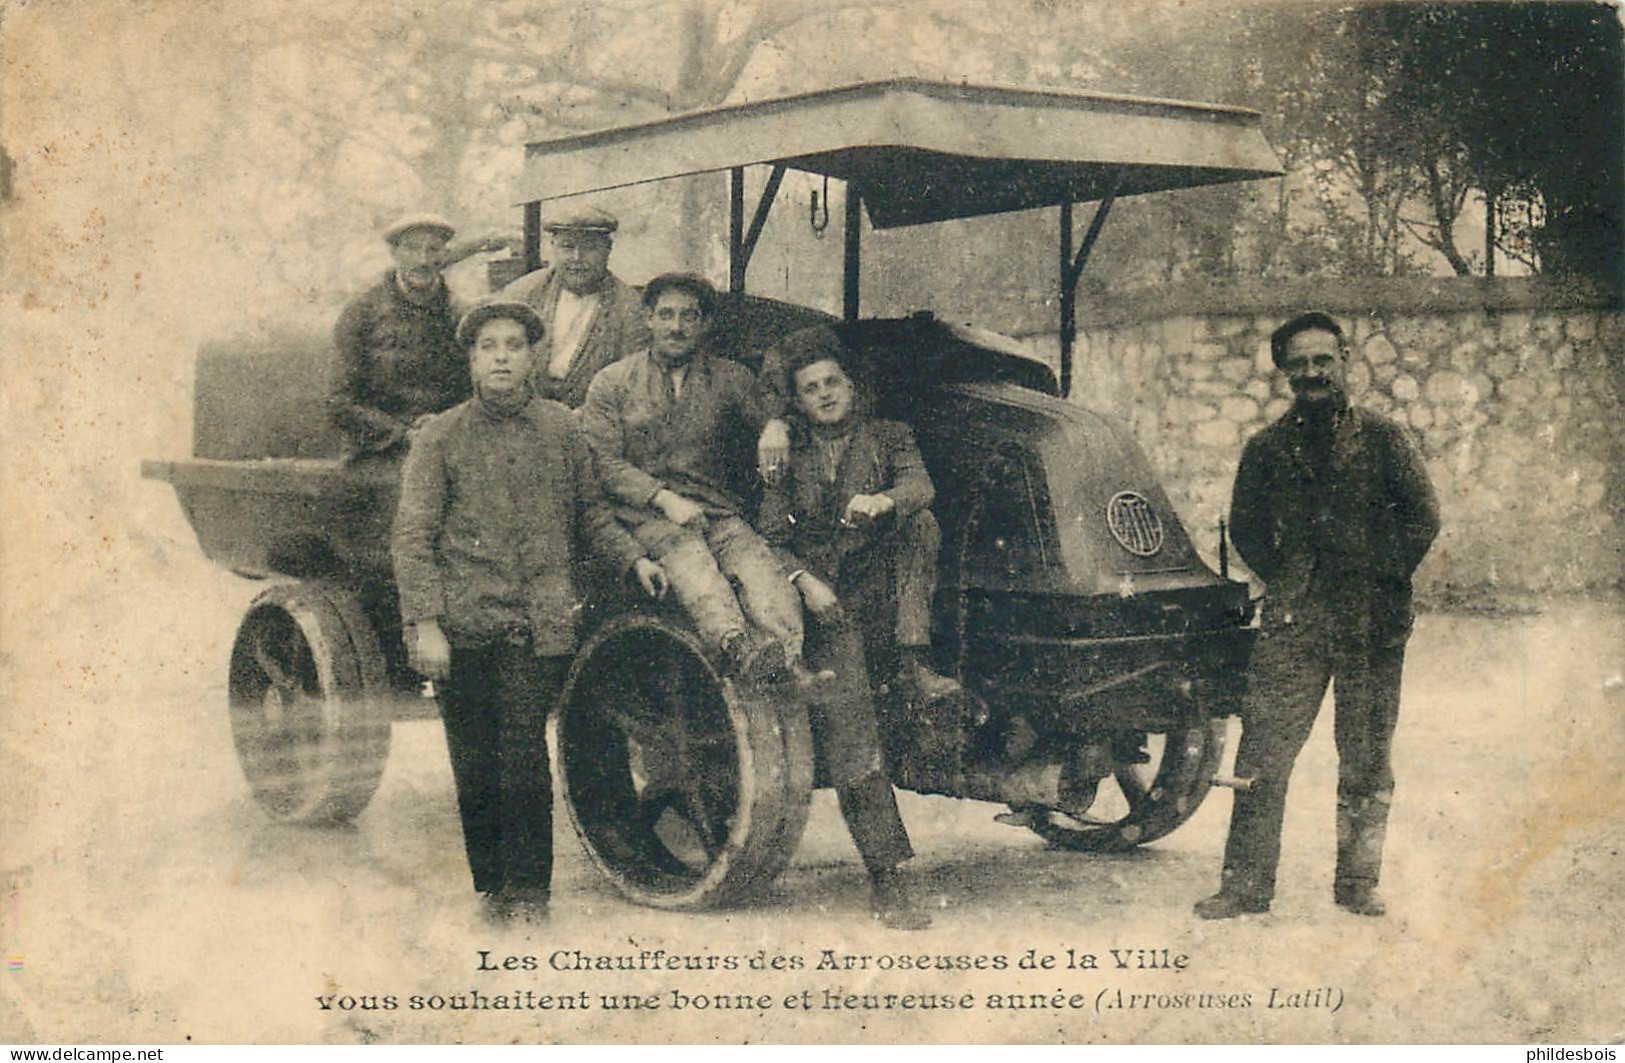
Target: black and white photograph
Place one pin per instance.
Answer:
(812, 522)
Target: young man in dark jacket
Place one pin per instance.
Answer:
(849, 483)
(918, 538)
(498, 499)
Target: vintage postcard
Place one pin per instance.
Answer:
(925, 360)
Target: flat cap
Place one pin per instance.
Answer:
(692, 283)
(469, 326)
(420, 220)
(581, 219)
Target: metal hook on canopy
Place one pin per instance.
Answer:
(818, 218)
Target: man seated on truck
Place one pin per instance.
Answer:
(660, 422)
(592, 317)
(912, 536)
(498, 498)
(397, 348)
(849, 483)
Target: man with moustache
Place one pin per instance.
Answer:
(850, 483)
(1333, 510)
(498, 498)
(397, 350)
(592, 318)
(664, 423)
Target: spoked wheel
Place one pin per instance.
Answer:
(688, 790)
(307, 708)
(1158, 782)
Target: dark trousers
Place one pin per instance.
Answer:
(920, 538)
(847, 732)
(495, 706)
(1286, 682)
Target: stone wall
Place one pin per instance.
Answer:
(1511, 388)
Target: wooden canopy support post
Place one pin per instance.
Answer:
(854, 254)
(742, 241)
(533, 236)
(1072, 269)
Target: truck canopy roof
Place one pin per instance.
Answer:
(925, 151)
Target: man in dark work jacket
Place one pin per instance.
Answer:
(662, 423)
(497, 495)
(398, 355)
(849, 484)
(1333, 510)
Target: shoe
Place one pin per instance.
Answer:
(806, 679)
(1360, 900)
(929, 685)
(496, 908)
(1226, 905)
(754, 661)
(894, 903)
(528, 906)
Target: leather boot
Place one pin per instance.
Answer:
(893, 900)
(1227, 905)
(927, 685)
(1362, 828)
(1360, 900)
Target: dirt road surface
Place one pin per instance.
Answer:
(149, 900)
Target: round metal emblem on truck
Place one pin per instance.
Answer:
(1134, 523)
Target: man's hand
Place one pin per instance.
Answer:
(773, 451)
(416, 426)
(679, 510)
(819, 597)
(651, 577)
(427, 650)
(864, 509)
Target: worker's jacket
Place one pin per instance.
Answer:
(1349, 528)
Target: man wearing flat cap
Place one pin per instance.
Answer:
(1333, 510)
(398, 357)
(498, 505)
(592, 318)
(665, 425)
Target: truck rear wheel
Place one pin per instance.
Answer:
(689, 790)
(1140, 802)
(307, 703)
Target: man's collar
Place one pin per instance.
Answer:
(832, 432)
(599, 289)
(693, 361)
(1333, 414)
(504, 407)
(565, 293)
(412, 295)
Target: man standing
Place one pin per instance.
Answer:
(398, 356)
(849, 484)
(496, 496)
(663, 424)
(913, 536)
(591, 317)
(1333, 510)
